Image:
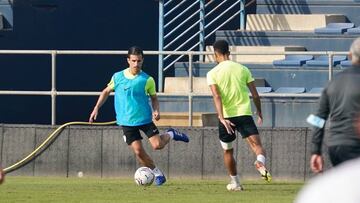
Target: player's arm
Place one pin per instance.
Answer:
(316, 161)
(150, 88)
(219, 109)
(155, 107)
(101, 100)
(256, 99)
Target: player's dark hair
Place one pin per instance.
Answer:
(135, 50)
(222, 47)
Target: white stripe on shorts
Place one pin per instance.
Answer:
(226, 145)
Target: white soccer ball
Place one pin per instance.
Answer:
(144, 176)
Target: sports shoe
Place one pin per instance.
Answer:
(159, 180)
(265, 174)
(234, 187)
(178, 136)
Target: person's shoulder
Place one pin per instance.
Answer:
(146, 75)
(213, 70)
(119, 73)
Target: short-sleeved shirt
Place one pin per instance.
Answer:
(132, 97)
(231, 79)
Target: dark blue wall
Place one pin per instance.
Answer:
(70, 25)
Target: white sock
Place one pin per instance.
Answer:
(261, 158)
(157, 172)
(235, 179)
(171, 134)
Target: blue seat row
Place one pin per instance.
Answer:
(338, 28)
(309, 60)
(292, 90)
(334, 28)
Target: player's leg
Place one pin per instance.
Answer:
(256, 147)
(2, 176)
(146, 160)
(249, 131)
(141, 155)
(226, 141)
(133, 138)
(159, 141)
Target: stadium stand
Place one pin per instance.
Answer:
(290, 22)
(256, 58)
(282, 26)
(353, 31)
(264, 89)
(181, 85)
(293, 60)
(316, 90)
(345, 64)
(334, 28)
(290, 90)
(324, 61)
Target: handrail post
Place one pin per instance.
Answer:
(331, 56)
(242, 15)
(202, 29)
(190, 89)
(53, 88)
(161, 45)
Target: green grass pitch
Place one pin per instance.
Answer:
(50, 189)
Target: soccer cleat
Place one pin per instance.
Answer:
(234, 187)
(159, 180)
(178, 136)
(265, 174)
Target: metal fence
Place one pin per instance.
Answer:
(190, 94)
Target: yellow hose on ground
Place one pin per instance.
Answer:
(52, 136)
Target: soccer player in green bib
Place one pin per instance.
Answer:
(229, 83)
(133, 90)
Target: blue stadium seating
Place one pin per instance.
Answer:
(324, 61)
(353, 31)
(293, 90)
(316, 90)
(334, 28)
(293, 60)
(345, 64)
(264, 89)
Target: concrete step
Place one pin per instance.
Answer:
(256, 58)
(350, 8)
(309, 40)
(182, 119)
(291, 22)
(181, 85)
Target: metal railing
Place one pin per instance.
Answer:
(190, 94)
(181, 22)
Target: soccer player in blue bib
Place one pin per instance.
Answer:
(133, 88)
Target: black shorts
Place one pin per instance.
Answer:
(342, 153)
(132, 133)
(244, 124)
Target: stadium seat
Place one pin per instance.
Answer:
(316, 90)
(264, 89)
(293, 60)
(324, 61)
(334, 28)
(345, 64)
(353, 31)
(292, 90)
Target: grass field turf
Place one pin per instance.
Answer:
(49, 189)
